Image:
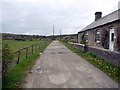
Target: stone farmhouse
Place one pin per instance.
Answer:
(104, 32)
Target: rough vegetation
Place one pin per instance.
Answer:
(7, 58)
(15, 76)
(110, 69)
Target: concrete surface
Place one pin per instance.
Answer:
(58, 67)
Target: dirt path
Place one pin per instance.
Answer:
(58, 67)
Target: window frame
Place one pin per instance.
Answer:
(97, 35)
(86, 36)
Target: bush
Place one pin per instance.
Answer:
(7, 58)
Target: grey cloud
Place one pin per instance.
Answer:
(22, 16)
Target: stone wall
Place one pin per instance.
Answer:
(91, 37)
(81, 47)
(81, 37)
(118, 37)
(110, 56)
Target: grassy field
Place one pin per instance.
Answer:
(15, 45)
(15, 77)
(110, 69)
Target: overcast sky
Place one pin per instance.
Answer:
(38, 16)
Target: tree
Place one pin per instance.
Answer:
(7, 58)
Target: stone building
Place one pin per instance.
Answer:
(104, 32)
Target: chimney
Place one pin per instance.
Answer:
(98, 15)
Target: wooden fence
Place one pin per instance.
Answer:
(25, 52)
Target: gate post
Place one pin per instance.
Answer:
(27, 52)
(32, 49)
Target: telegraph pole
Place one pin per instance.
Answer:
(53, 30)
(60, 33)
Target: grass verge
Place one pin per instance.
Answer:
(15, 76)
(108, 68)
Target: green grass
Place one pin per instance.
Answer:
(15, 77)
(110, 69)
(15, 45)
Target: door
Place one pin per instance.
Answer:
(111, 39)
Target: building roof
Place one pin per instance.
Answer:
(104, 20)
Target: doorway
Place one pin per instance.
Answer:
(111, 39)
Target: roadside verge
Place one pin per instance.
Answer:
(15, 77)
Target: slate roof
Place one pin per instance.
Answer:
(104, 20)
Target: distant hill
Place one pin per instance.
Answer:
(8, 36)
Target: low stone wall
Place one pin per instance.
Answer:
(111, 56)
(82, 47)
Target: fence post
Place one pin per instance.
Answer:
(18, 57)
(32, 49)
(27, 52)
(39, 46)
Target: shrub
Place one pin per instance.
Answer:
(7, 58)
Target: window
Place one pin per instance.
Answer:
(112, 36)
(97, 37)
(86, 36)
